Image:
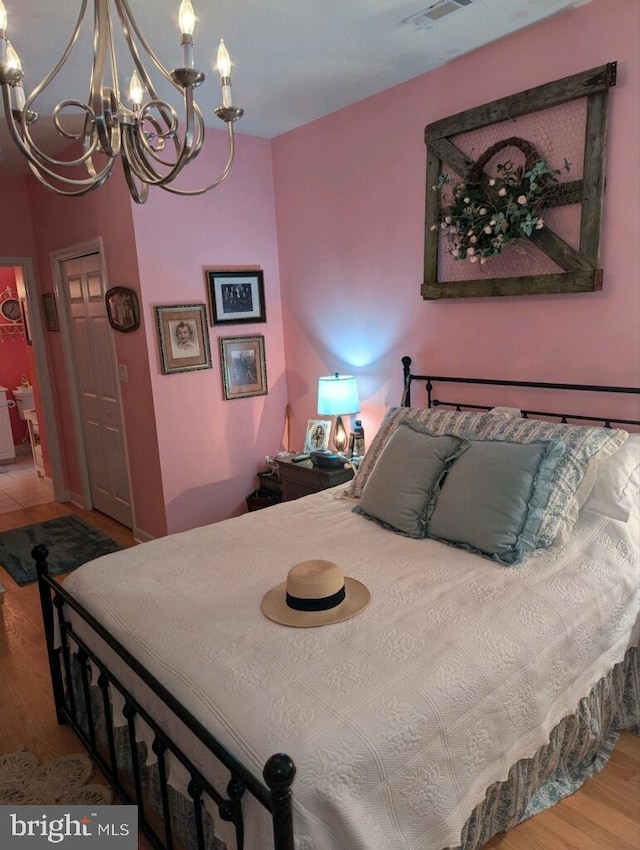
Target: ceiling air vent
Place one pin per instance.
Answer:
(430, 16)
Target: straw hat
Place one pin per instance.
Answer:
(314, 594)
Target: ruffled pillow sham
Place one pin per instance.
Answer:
(584, 445)
(494, 497)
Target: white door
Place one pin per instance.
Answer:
(96, 378)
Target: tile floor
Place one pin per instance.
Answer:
(20, 487)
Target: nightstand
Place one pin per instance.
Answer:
(301, 479)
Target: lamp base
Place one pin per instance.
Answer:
(340, 438)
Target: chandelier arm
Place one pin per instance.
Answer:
(194, 146)
(40, 156)
(86, 186)
(223, 175)
(126, 17)
(37, 160)
(136, 160)
(138, 193)
(56, 68)
(189, 140)
(140, 146)
(104, 101)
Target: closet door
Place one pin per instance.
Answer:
(96, 376)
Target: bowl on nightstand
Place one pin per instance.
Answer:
(328, 460)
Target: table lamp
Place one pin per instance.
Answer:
(338, 396)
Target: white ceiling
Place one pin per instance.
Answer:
(294, 60)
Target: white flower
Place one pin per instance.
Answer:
(539, 224)
(456, 252)
(473, 239)
(502, 192)
(483, 260)
(492, 182)
(473, 258)
(487, 229)
(522, 200)
(469, 232)
(492, 222)
(467, 200)
(471, 251)
(433, 227)
(443, 225)
(447, 218)
(482, 211)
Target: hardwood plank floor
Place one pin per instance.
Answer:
(603, 815)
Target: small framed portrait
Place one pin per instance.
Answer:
(50, 312)
(26, 321)
(317, 435)
(183, 338)
(122, 309)
(244, 370)
(236, 298)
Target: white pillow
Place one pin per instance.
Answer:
(514, 412)
(617, 485)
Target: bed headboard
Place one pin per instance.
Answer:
(432, 401)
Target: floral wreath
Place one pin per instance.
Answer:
(487, 213)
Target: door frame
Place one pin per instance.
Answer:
(58, 258)
(43, 375)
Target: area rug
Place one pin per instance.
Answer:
(70, 540)
(61, 781)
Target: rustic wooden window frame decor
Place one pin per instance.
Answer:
(580, 268)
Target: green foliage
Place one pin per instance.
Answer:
(485, 215)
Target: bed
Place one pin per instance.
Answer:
(477, 687)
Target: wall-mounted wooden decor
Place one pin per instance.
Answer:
(564, 268)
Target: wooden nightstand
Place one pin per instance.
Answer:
(300, 479)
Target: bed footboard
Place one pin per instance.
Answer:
(89, 711)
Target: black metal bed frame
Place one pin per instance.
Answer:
(279, 771)
(409, 378)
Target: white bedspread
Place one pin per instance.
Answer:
(400, 718)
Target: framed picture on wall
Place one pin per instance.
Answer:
(26, 320)
(183, 338)
(50, 312)
(236, 297)
(122, 309)
(244, 371)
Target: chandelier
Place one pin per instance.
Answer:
(154, 145)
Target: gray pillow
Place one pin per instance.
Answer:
(404, 479)
(493, 498)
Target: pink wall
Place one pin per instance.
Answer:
(65, 222)
(211, 449)
(350, 211)
(16, 229)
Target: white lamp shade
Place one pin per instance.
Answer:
(338, 395)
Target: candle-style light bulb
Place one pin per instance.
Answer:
(13, 60)
(3, 39)
(136, 91)
(224, 69)
(186, 18)
(187, 23)
(223, 60)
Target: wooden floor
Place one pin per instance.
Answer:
(603, 815)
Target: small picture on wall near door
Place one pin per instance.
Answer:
(122, 309)
(236, 298)
(183, 338)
